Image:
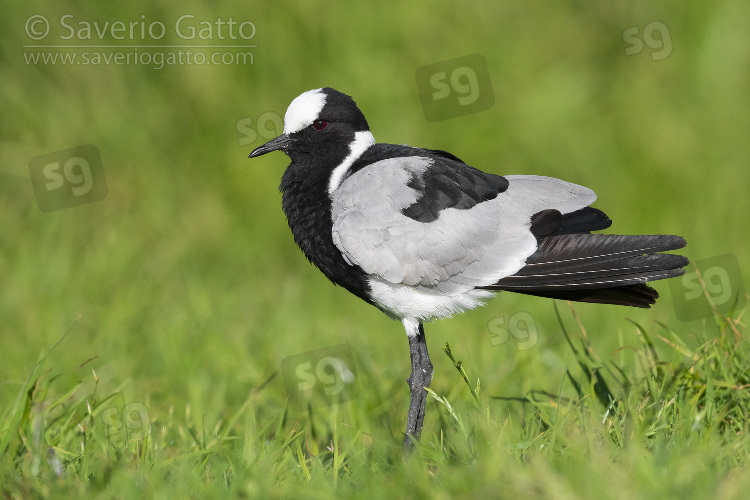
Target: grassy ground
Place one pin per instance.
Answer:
(146, 336)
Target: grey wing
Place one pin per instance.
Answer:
(463, 248)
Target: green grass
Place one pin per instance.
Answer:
(142, 336)
(648, 426)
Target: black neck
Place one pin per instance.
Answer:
(307, 206)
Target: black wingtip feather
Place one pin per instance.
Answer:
(569, 250)
(600, 268)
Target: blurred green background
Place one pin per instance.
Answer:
(184, 282)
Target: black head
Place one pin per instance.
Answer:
(320, 123)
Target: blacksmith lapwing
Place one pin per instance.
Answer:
(421, 235)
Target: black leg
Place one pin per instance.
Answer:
(421, 376)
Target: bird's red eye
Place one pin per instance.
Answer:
(320, 124)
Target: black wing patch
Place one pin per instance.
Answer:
(449, 184)
(446, 154)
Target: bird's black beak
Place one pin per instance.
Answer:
(280, 143)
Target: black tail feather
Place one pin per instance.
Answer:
(639, 295)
